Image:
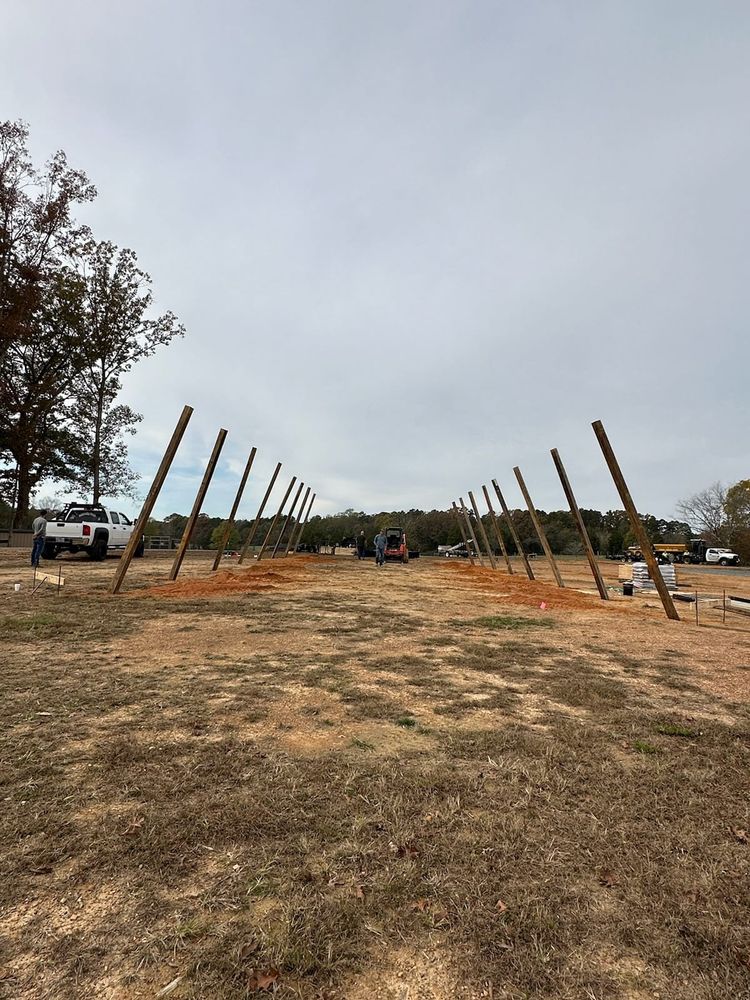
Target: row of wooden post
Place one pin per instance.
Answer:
(295, 534)
(469, 536)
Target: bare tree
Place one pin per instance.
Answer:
(706, 512)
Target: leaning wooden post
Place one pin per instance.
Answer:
(287, 519)
(538, 528)
(276, 517)
(470, 529)
(462, 529)
(482, 532)
(232, 513)
(256, 522)
(200, 496)
(304, 523)
(153, 495)
(635, 522)
(293, 532)
(575, 510)
(498, 531)
(514, 533)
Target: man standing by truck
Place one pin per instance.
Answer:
(39, 527)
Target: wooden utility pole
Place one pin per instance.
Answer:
(482, 532)
(635, 522)
(276, 517)
(287, 519)
(233, 512)
(256, 522)
(498, 531)
(578, 518)
(470, 529)
(514, 533)
(296, 524)
(462, 529)
(198, 503)
(538, 528)
(151, 498)
(304, 523)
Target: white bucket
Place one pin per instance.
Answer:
(16, 587)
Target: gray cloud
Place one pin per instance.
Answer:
(416, 244)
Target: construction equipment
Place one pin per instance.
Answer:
(697, 550)
(396, 549)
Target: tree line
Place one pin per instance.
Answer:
(75, 316)
(719, 514)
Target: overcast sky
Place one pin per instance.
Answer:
(416, 244)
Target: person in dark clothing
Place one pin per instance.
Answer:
(361, 545)
(380, 543)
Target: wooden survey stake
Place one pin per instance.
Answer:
(256, 522)
(514, 533)
(233, 512)
(197, 504)
(578, 518)
(538, 528)
(153, 495)
(482, 532)
(635, 522)
(498, 530)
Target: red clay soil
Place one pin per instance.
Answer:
(240, 580)
(518, 589)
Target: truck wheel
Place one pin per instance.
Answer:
(723, 562)
(49, 551)
(98, 550)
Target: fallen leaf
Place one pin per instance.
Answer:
(359, 892)
(407, 851)
(263, 980)
(134, 827)
(500, 906)
(608, 879)
(739, 834)
(420, 904)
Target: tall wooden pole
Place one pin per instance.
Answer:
(482, 532)
(151, 498)
(200, 496)
(287, 519)
(635, 522)
(470, 529)
(296, 524)
(304, 523)
(256, 522)
(498, 531)
(233, 512)
(462, 529)
(276, 517)
(575, 510)
(538, 528)
(513, 532)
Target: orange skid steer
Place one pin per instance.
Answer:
(396, 549)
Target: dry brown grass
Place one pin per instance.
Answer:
(375, 784)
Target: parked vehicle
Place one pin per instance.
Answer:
(454, 551)
(697, 550)
(88, 528)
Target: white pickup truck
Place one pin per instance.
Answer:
(89, 528)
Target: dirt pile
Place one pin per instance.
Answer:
(239, 580)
